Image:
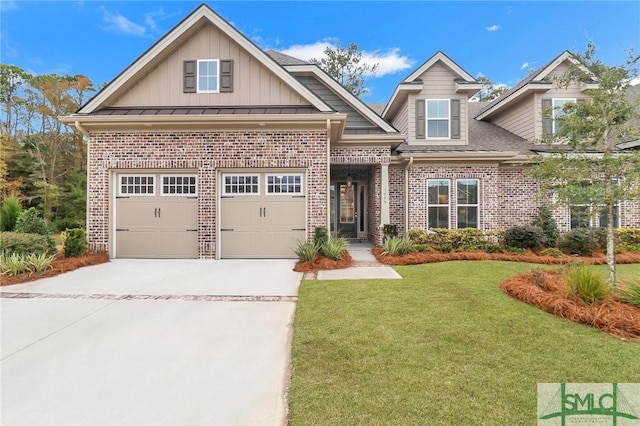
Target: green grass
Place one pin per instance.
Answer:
(443, 346)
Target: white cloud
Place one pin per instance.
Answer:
(121, 24)
(8, 5)
(389, 61)
(493, 27)
(635, 81)
(524, 66)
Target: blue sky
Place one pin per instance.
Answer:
(503, 40)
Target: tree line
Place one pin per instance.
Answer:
(43, 161)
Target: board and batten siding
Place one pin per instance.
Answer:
(254, 84)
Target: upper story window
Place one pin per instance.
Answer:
(208, 72)
(557, 105)
(207, 76)
(551, 111)
(437, 119)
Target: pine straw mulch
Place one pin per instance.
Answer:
(548, 291)
(323, 263)
(58, 266)
(529, 257)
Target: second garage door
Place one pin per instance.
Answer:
(263, 215)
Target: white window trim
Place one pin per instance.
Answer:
(448, 205)
(468, 205)
(161, 184)
(594, 219)
(243, 194)
(217, 61)
(266, 184)
(426, 120)
(555, 111)
(128, 175)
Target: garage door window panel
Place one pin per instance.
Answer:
(136, 185)
(179, 185)
(289, 184)
(245, 184)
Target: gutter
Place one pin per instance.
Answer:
(81, 129)
(406, 195)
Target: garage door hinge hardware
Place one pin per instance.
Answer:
(122, 229)
(298, 196)
(226, 229)
(192, 198)
(192, 230)
(226, 196)
(120, 196)
(298, 229)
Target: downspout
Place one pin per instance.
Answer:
(328, 187)
(406, 195)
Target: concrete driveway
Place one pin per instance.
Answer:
(150, 342)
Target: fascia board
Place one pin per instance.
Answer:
(398, 97)
(529, 87)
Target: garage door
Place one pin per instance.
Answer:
(156, 215)
(263, 215)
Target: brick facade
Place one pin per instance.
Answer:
(207, 153)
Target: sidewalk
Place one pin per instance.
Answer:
(364, 266)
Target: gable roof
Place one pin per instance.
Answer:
(182, 31)
(412, 84)
(535, 81)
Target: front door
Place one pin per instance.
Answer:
(348, 209)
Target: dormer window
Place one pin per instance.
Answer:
(558, 104)
(438, 119)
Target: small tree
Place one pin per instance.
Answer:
(346, 66)
(587, 165)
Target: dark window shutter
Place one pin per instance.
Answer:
(455, 119)
(547, 128)
(189, 77)
(420, 119)
(226, 76)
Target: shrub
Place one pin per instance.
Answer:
(320, 236)
(423, 248)
(633, 248)
(21, 243)
(549, 227)
(580, 241)
(335, 248)
(551, 251)
(396, 246)
(18, 263)
(445, 247)
(628, 236)
(30, 222)
(389, 230)
(418, 236)
(600, 234)
(584, 283)
(306, 250)
(516, 250)
(9, 214)
(539, 278)
(62, 224)
(493, 248)
(75, 242)
(457, 239)
(525, 237)
(630, 292)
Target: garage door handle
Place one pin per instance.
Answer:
(155, 212)
(226, 229)
(192, 230)
(265, 211)
(158, 211)
(122, 229)
(298, 229)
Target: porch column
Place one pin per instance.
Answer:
(384, 194)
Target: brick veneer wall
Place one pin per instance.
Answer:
(206, 152)
(396, 197)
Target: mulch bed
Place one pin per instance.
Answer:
(323, 263)
(548, 291)
(529, 257)
(58, 266)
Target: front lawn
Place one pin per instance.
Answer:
(443, 346)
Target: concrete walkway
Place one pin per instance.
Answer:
(141, 342)
(365, 266)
